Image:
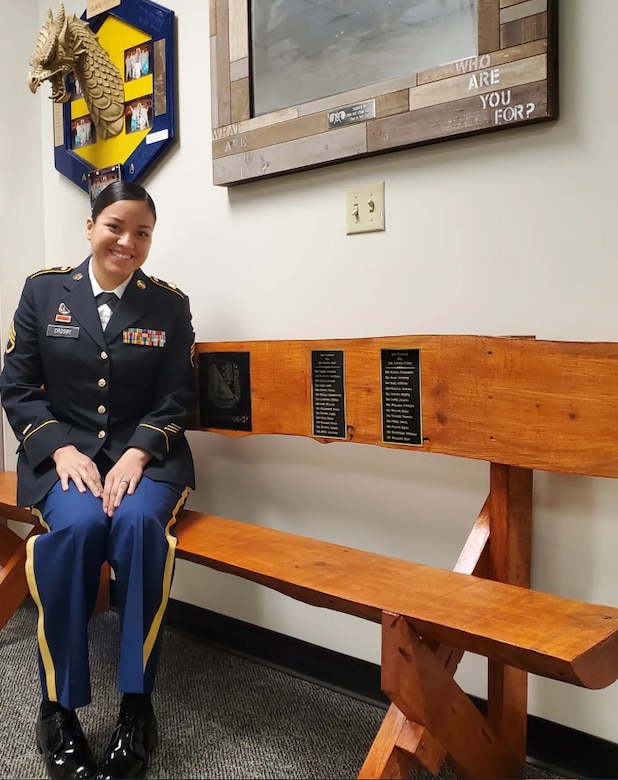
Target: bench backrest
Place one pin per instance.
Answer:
(535, 404)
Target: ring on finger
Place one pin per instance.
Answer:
(126, 481)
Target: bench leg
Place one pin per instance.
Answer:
(510, 554)
(399, 747)
(102, 604)
(13, 585)
(425, 692)
(393, 753)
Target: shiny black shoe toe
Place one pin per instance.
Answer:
(133, 740)
(62, 743)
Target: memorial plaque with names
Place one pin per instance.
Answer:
(224, 381)
(401, 396)
(328, 394)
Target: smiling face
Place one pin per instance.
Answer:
(120, 236)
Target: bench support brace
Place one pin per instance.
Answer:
(430, 717)
(426, 693)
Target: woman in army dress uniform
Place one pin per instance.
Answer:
(98, 386)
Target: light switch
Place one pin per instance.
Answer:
(365, 208)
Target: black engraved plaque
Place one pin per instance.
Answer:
(328, 396)
(225, 390)
(401, 397)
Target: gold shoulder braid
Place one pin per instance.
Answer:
(61, 270)
(167, 286)
(12, 337)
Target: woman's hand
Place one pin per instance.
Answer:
(73, 464)
(123, 478)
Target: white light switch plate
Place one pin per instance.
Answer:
(365, 208)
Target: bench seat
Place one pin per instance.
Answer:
(567, 640)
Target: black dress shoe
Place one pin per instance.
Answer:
(133, 740)
(60, 739)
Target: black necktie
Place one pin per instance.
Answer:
(110, 298)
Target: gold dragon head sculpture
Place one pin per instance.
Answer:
(68, 44)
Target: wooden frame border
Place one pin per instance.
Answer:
(513, 81)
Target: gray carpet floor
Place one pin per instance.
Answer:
(220, 715)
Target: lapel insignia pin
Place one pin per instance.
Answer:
(141, 284)
(77, 277)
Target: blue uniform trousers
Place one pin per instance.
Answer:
(63, 570)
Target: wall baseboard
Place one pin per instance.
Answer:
(556, 748)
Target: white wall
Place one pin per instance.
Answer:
(505, 233)
(22, 246)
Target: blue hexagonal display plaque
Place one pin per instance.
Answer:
(139, 37)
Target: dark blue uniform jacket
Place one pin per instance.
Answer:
(64, 381)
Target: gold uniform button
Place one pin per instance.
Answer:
(101, 409)
(101, 434)
(103, 355)
(101, 382)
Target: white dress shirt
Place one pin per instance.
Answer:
(105, 311)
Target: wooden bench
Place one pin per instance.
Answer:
(520, 405)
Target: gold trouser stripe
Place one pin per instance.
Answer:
(167, 579)
(48, 663)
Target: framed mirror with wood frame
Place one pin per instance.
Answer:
(300, 84)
